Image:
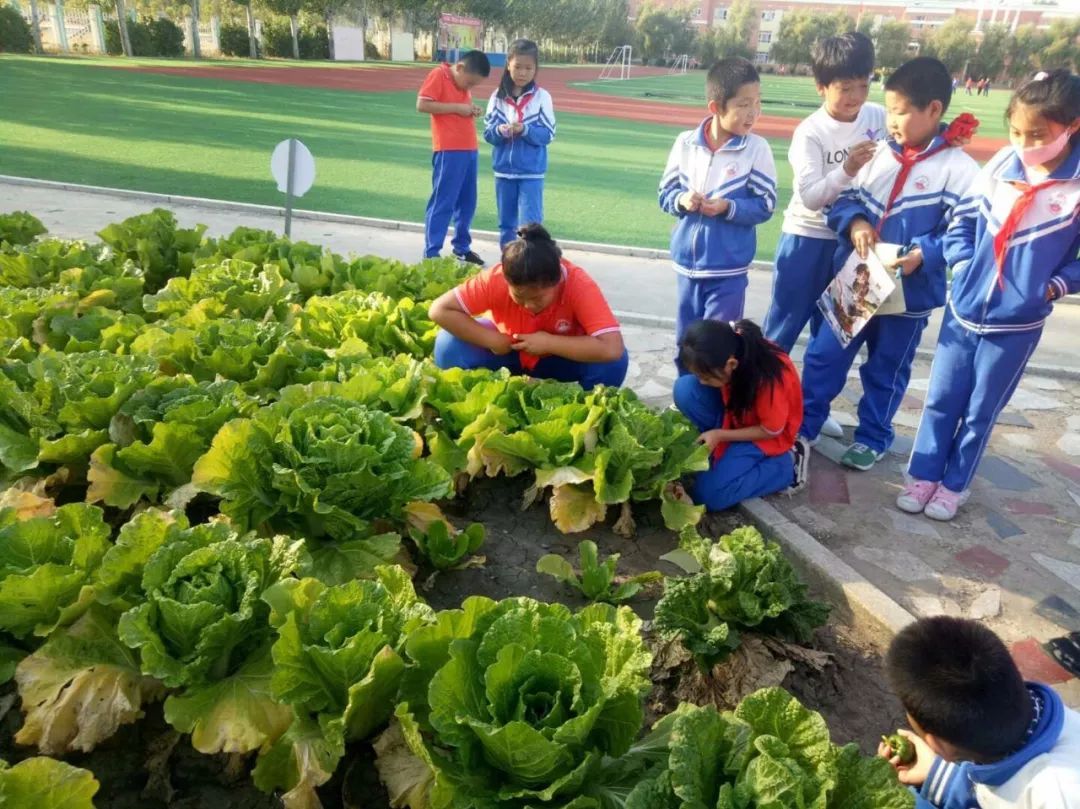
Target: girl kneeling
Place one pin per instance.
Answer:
(548, 318)
(743, 393)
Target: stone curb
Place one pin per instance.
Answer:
(876, 616)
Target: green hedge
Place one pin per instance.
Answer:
(277, 40)
(234, 40)
(15, 36)
(157, 37)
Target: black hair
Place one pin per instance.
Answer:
(519, 47)
(532, 259)
(921, 81)
(707, 345)
(1055, 95)
(475, 62)
(847, 56)
(727, 76)
(957, 680)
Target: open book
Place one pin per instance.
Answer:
(862, 288)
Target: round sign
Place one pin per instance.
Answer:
(303, 168)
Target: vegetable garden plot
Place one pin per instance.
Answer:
(161, 379)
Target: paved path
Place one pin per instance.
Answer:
(1012, 558)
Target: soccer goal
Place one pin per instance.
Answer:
(680, 64)
(618, 64)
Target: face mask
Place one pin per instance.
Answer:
(1037, 155)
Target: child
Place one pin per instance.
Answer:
(445, 96)
(550, 318)
(742, 392)
(827, 151)
(1013, 251)
(520, 123)
(904, 196)
(983, 738)
(720, 182)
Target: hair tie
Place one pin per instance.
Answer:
(1042, 75)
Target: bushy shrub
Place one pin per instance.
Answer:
(138, 33)
(166, 37)
(370, 51)
(15, 36)
(234, 41)
(277, 41)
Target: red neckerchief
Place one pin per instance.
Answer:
(1012, 221)
(520, 104)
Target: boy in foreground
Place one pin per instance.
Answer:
(445, 96)
(982, 736)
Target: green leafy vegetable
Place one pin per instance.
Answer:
(597, 580)
(154, 242)
(46, 783)
(19, 227)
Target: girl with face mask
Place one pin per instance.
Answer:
(1013, 248)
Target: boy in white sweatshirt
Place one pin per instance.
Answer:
(827, 151)
(983, 738)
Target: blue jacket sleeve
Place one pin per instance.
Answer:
(1066, 280)
(958, 244)
(848, 207)
(759, 206)
(672, 183)
(493, 119)
(947, 786)
(541, 132)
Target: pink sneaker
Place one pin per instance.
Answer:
(915, 496)
(944, 504)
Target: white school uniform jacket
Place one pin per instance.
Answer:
(818, 150)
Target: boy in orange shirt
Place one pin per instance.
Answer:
(445, 96)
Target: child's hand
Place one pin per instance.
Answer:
(909, 263)
(858, 156)
(505, 130)
(913, 774)
(499, 343)
(466, 110)
(690, 200)
(714, 207)
(711, 438)
(537, 343)
(517, 128)
(863, 237)
(476, 112)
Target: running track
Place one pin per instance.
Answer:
(567, 99)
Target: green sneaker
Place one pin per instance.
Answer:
(861, 457)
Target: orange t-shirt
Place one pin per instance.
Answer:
(778, 408)
(449, 131)
(579, 308)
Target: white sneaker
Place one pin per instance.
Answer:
(945, 503)
(832, 428)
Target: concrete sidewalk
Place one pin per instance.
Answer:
(640, 287)
(1012, 557)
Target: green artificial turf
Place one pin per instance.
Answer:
(791, 97)
(80, 122)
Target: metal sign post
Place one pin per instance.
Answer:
(293, 166)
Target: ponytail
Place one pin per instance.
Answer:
(532, 259)
(708, 345)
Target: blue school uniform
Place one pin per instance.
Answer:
(519, 161)
(712, 254)
(996, 313)
(917, 218)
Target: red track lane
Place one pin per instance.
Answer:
(567, 99)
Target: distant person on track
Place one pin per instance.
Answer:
(548, 318)
(827, 151)
(1012, 248)
(519, 125)
(742, 393)
(719, 184)
(968, 84)
(445, 96)
(983, 738)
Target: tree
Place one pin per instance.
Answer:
(891, 43)
(741, 25)
(35, 26)
(799, 31)
(865, 25)
(1063, 50)
(253, 46)
(196, 45)
(953, 43)
(990, 59)
(291, 9)
(1024, 49)
(659, 29)
(121, 23)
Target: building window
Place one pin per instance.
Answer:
(762, 57)
(697, 13)
(764, 37)
(719, 15)
(768, 16)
